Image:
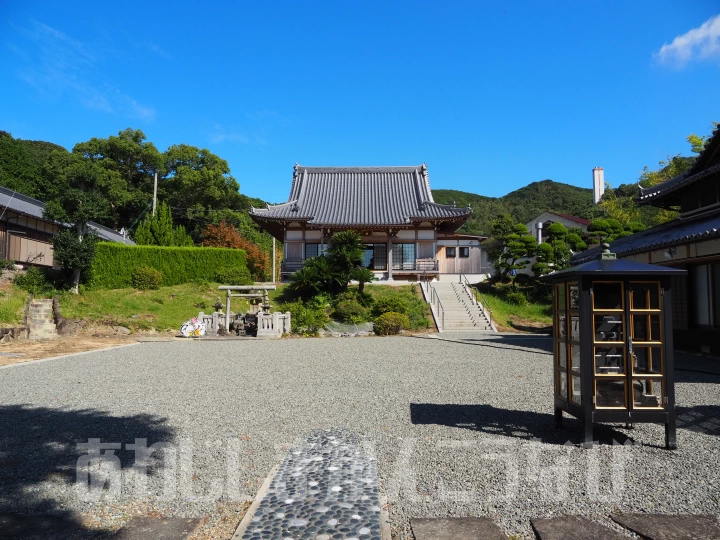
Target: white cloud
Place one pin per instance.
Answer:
(698, 44)
(58, 65)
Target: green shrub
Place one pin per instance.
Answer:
(114, 264)
(6, 265)
(306, 320)
(391, 323)
(234, 276)
(516, 297)
(145, 278)
(387, 304)
(36, 282)
(405, 303)
(522, 279)
(350, 311)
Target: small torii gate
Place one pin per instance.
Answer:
(268, 324)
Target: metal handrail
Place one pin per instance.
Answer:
(475, 293)
(434, 301)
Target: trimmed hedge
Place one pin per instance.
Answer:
(114, 264)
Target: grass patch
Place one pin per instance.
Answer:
(504, 314)
(418, 310)
(163, 309)
(12, 305)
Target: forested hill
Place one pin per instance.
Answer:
(522, 204)
(21, 162)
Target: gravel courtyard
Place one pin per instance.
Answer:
(460, 427)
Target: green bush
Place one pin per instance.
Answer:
(404, 303)
(6, 265)
(391, 323)
(145, 278)
(350, 311)
(522, 279)
(234, 276)
(387, 304)
(305, 319)
(36, 282)
(114, 264)
(516, 297)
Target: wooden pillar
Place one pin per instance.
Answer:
(389, 256)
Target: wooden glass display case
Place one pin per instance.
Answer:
(612, 336)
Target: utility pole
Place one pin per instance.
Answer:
(155, 194)
(273, 280)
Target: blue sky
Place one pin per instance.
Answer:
(491, 95)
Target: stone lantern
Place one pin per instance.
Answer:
(612, 337)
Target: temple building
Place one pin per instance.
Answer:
(691, 242)
(407, 234)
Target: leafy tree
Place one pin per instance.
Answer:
(362, 275)
(226, 236)
(158, 230)
(345, 253)
(510, 246)
(314, 277)
(134, 162)
(607, 230)
(332, 272)
(196, 184)
(80, 202)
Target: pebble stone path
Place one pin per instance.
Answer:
(326, 489)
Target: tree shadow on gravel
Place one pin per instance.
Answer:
(700, 419)
(511, 423)
(39, 444)
(528, 344)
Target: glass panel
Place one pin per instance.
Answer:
(655, 328)
(646, 327)
(647, 360)
(702, 294)
(560, 295)
(403, 256)
(368, 259)
(609, 393)
(575, 328)
(609, 327)
(574, 294)
(562, 326)
(563, 384)
(380, 262)
(647, 393)
(609, 360)
(607, 296)
(576, 394)
(562, 354)
(644, 296)
(575, 357)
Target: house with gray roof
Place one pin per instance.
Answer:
(691, 242)
(406, 233)
(26, 237)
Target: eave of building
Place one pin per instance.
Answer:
(677, 232)
(665, 194)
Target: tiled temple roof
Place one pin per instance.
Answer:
(360, 196)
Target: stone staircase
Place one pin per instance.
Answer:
(40, 320)
(461, 313)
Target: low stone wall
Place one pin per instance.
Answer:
(14, 333)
